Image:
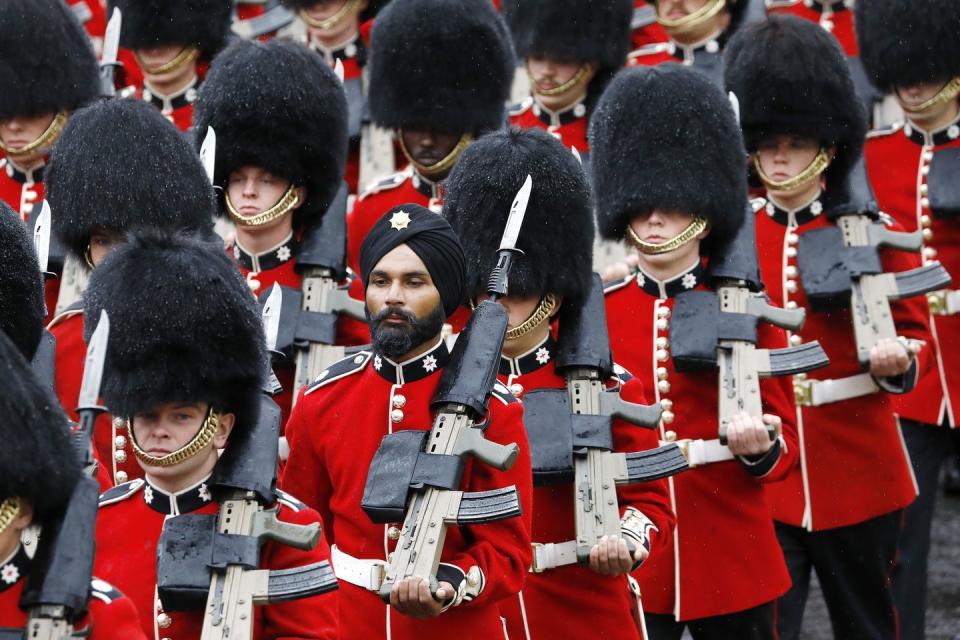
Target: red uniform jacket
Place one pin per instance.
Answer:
(177, 108)
(569, 126)
(549, 597)
(20, 189)
(898, 161)
(646, 29)
(336, 428)
(128, 527)
(833, 15)
(853, 465)
(110, 615)
(93, 17)
(725, 556)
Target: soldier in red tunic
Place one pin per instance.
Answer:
(169, 43)
(39, 471)
(413, 268)
(839, 513)
(570, 51)
(553, 273)
(668, 177)
(440, 74)
(909, 51)
(145, 175)
(188, 385)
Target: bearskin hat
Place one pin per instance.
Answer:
(443, 65)
(37, 460)
(183, 327)
(666, 137)
(120, 165)
(21, 285)
(905, 42)
(557, 233)
(46, 62)
(791, 77)
(279, 106)
(200, 23)
(597, 32)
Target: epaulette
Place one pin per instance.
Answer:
(340, 369)
(757, 204)
(104, 591)
(650, 49)
(781, 4)
(120, 492)
(643, 17)
(885, 131)
(75, 308)
(614, 285)
(501, 393)
(289, 501)
(519, 108)
(390, 182)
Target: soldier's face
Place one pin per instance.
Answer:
(679, 9)
(659, 226)
(783, 157)
(912, 96)
(19, 131)
(152, 57)
(102, 243)
(429, 147)
(326, 9)
(547, 74)
(254, 190)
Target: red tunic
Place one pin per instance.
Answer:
(569, 126)
(834, 16)
(93, 17)
(548, 597)
(177, 108)
(854, 444)
(110, 615)
(20, 189)
(724, 555)
(897, 162)
(646, 29)
(129, 525)
(359, 401)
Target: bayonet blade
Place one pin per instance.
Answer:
(515, 220)
(41, 236)
(271, 316)
(338, 69)
(576, 154)
(93, 365)
(208, 153)
(111, 38)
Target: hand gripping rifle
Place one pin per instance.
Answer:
(417, 474)
(211, 561)
(719, 329)
(840, 265)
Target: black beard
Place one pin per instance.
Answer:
(395, 340)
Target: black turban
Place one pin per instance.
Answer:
(430, 237)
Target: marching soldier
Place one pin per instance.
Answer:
(412, 266)
(553, 274)
(187, 385)
(909, 51)
(805, 128)
(145, 175)
(168, 45)
(39, 472)
(668, 177)
(436, 91)
(570, 51)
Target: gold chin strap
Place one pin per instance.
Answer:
(197, 444)
(187, 54)
(9, 510)
(569, 85)
(443, 165)
(811, 173)
(694, 229)
(46, 138)
(950, 91)
(289, 200)
(540, 315)
(333, 20)
(693, 20)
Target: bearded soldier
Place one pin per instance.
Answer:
(909, 51)
(804, 151)
(157, 182)
(437, 93)
(668, 177)
(167, 47)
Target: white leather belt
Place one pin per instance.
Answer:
(945, 302)
(551, 555)
(366, 574)
(701, 452)
(815, 393)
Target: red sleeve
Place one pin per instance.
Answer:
(910, 315)
(114, 617)
(778, 400)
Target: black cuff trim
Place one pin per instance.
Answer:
(759, 466)
(903, 383)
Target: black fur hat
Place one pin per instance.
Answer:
(597, 31)
(204, 24)
(557, 233)
(666, 137)
(443, 65)
(277, 105)
(21, 285)
(183, 327)
(37, 460)
(121, 165)
(46, 62)
(791, 77)
(904, 42)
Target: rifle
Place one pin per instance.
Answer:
(840, 265)
(108, 59)
(432, 463)
(211, 561)
(376, 145)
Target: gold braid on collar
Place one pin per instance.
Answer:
(569, 85)
(187, 54)
(695, 19)
(197, 444)
(333, 20)
(443, 166)
(45, 139)
(540, 315)
(9, 510)
(289, 200)
(811, 173)
(950, 91)
(694, 229)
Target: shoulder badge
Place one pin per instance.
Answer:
(653, 48)
(120, 492)
(885, 131)
(520, 108)
(341, 369)
(390, 182)
(614, 285)
(501, 393)
(104, 591)
(289, 501)
(757, 204)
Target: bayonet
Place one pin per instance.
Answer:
(88, 405)
(108, 59)
(208, 154)
(498, 284)
(41, 239)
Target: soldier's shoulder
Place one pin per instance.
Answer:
(392, 181)
(643, 16)
(341, 369)
(121, 492)
(616, 285)
(289, 501)
(757, 204)
(883, 132)
(104, 591)
(520, 108)
(652, 49)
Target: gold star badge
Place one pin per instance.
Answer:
(400, 220)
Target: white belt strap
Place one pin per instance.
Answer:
(816, 393)
(551, 555)
(366, 574)
(701, 452)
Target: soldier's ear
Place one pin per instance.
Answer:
(224, 429)
(301, 197)
(556, 308)
(25, 518)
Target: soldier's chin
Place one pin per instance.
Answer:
(392, 340)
